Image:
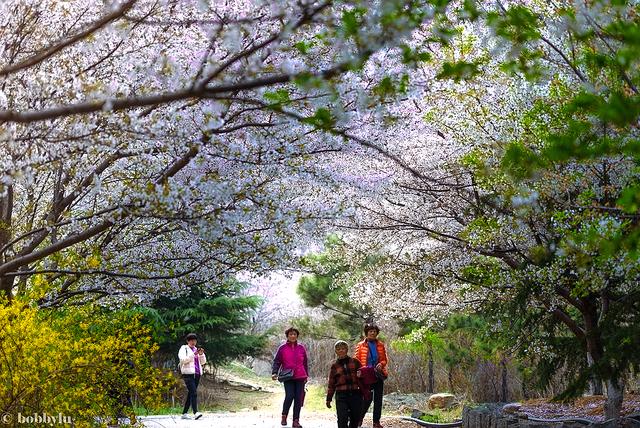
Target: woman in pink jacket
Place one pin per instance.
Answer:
(290, 366)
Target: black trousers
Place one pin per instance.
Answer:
(348, 408)
(293, 390)
(191, 381)
(376, 396)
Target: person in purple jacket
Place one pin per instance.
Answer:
(291, 356)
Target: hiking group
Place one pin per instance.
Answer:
(356, 381)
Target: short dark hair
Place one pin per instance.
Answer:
(369, 327)
(290, 329)
(191, 336)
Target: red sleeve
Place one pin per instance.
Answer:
(331, 383)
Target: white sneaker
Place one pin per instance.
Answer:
(197, 416)
(185, 416)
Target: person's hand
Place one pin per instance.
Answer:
(201, 351)
(274, 376)
(328, 404)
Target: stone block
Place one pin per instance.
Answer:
(441, 401)
(511, 408)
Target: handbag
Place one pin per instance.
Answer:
(380, 374)
(285, 375)
(368, 375)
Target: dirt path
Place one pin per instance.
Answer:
(259, 419)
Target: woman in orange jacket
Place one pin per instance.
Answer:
(372, 353)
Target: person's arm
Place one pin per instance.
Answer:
(361, 384)
(277, 362)
(184, 355)
(331, 385)
(382, 358)
(305, 362)
(202, 359)
(357, 353)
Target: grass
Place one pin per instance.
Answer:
(245, 373)
(316, 398)
(214, 396)
(443, 415)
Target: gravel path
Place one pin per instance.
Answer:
(259, 419)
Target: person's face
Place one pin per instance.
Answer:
(192, 342)
(292, 336)
(341, 351)
(372, 334)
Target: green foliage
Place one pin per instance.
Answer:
(470, 10)
(518, 24)
(481, 230)
(352, 21)
(573, 247)
(220, 319)
(304, 47)
(414, 56)
(459, 70)
(322, 119)
(458, 345)
(390, 87)
(279, 97)
(320, 289)
(630, 199)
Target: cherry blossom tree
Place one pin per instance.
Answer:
(152, 145)
(522, 209)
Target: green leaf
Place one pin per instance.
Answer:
(629, 200)
(322, 119)
(519, 24)
(304, 47)
(281, 96)
(413, 56)
(351, 21)
(457, 71)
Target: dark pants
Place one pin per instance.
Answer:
(376, 397)
(191, 381)
(293, 390)
(348, 408)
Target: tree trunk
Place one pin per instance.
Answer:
(6, 211)
(595, 348)
(525, 390)
(431, 381)
(450, 379)
(505, 390)
(595, 383)
(615, 394)
(6, 285)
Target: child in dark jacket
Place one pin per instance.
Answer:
(344, 381)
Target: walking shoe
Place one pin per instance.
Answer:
(197, 416)
(296, 424)
(377, 425)
(185, 416)
(283, 422)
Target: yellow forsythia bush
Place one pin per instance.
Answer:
(84, 363)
